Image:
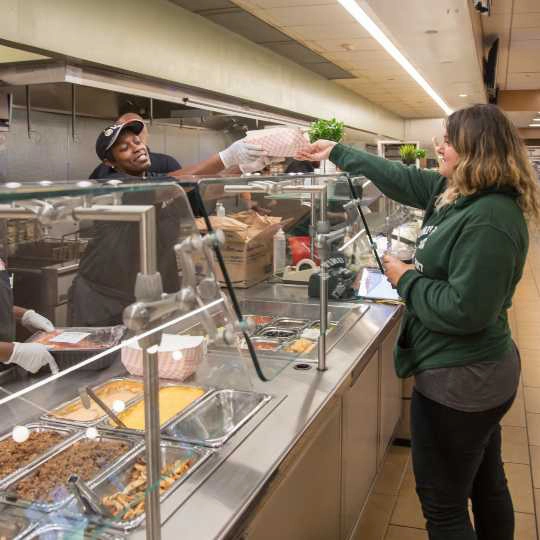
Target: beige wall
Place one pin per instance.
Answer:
(423, 130)
(159, 39)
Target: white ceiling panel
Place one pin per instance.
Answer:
(328, 31)
(266, 4)
(526, 20)
(340, 45)
(525, 6)
(308, 15)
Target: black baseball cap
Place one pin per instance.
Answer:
(109, 136)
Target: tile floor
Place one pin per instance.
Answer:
(393, 511)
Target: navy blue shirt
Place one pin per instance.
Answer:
(159, 164)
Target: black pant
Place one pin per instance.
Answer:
(456, 457)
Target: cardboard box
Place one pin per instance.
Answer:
(248, 250)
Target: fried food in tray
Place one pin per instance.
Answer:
(300, 346)
(15, 455)
(86, 458)
(129, 503)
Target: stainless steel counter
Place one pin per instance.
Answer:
(215, 506)
(209, 503)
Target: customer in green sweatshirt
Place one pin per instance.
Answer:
(455, 338)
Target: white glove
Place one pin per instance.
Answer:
(34, 321)
(32, 357)
(241, 152)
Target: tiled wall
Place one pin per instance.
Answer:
(51, 153)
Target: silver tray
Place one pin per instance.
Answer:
(105, 425)
(279, 333)
(214, 421)
(14, 525)
(51, 418)
(67, 431)
(63, 531)
(293, 324)
(7, 492)
(117, 479)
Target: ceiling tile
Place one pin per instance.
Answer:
(526, 6)
(329, 31)
(266, 4)
(329, 70)
(526, 20)
(337, 45)
(523, 34)
(309, 15)
(245, 24)
(201, 5)
(296, 52)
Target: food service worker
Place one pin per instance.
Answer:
(455, 337)
(30, 356)
(108, 268)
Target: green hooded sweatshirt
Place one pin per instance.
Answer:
(469, 258)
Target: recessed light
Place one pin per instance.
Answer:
(463, 95)
(376, 33)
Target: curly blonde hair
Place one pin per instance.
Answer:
(491, 154)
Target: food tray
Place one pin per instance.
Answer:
(62, 496)
(14, 524)
(70, 354)
(105, 424)
(312, 347)
(119, 477)
(293, 324)
(67, 432)
(259, 341)
(70, 531)
(51, 418)
(275, 332)
(260, 320)
(212, 422)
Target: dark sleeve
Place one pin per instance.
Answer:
(100, 172)
(406, 185)
(481, 275)
(172, 164)
(163, 163)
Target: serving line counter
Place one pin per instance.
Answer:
(314, 448)
(247, 445)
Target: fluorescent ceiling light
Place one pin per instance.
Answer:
(376, 33)
(534, 125)
(463, 95)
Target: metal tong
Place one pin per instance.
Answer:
(85, 497)
(86, 394)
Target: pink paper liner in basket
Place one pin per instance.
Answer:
(192, 348)
(280, 141)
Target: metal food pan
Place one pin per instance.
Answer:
(290, 342)
(275, 332)
(81, 423)
(254, 340)
(259, 325)
(218, 418)
(7, 490)
(105, 424)
(14, 524)
(69, 531)
(118, 478)
(67, 432)
(294, 324)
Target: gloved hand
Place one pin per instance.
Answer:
(241, 152)
(32, 357)
(34, 321)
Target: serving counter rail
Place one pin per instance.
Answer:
(243, 438)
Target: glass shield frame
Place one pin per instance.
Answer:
(190, 324)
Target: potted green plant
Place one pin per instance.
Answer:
(331, 130)
(421, 155)
(407, 152)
